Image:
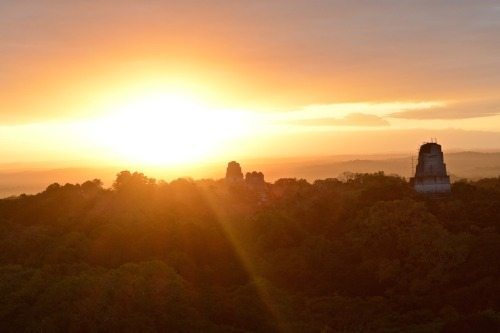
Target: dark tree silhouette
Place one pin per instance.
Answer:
(364, 253)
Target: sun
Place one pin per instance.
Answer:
(167, 128)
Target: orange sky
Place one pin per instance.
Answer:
(300, 77)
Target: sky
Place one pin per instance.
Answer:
(172, 82)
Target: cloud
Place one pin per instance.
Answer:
(464, 110)
(353, 119)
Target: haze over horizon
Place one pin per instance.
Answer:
(170, 83)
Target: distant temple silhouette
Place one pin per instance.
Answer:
(233, 172)
(253, 180)
(234, 175)
(430, 174)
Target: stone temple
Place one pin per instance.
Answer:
(255, 180)
(430, 174)
(233, 173)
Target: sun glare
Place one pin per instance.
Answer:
(163, 128)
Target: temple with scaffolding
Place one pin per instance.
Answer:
(430, 174)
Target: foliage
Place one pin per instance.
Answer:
(362, 254)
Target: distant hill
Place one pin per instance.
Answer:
(471, 165)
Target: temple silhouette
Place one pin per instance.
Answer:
(253, 180)
(430, 174)
(234, 173)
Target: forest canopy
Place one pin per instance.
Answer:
(364, 253)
